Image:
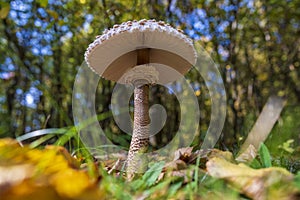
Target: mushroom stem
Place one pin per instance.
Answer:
(136, 161)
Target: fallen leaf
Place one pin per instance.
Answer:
(188, 156)
(183, 154)
(175, 165)
(72, 184)
(48, 174)
(62, 151)
(13, 175)
(248, 155)
(216, 153)
(258, 184)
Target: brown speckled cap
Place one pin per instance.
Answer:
(115, 51)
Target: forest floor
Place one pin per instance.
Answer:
(52, 173)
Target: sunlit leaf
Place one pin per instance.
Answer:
(220, 154)
(286, 146)
(51, 173)
(267, 183)
(71, 183)
(265, 156)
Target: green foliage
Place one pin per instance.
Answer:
(216, 189)
(289, 162)
(297, 180)
(265, 156)
(152, 174)
(286, 146)
(255, 164)
(287, 129)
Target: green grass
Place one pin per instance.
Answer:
(145, 186)
(194, 184)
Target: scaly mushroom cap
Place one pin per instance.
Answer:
(113, 53)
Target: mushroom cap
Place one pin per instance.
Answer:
(115, 52)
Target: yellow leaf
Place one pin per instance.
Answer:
(28, 190)
(8, 142)
(70, 183)
(48, 174)
(254, 183)
(220, 154)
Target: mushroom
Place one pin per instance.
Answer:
(135, 52)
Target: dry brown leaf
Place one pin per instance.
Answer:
(187, 155)
(248, 155)
(183, 154)
(175, 165)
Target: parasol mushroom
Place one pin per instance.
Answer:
(135, 52)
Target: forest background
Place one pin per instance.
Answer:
(255, 44)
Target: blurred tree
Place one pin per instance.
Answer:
(254, 43)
